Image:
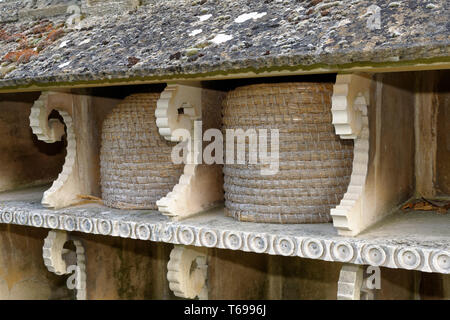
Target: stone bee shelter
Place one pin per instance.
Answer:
(92, 93)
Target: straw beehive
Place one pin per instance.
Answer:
(136, 166)
(314, 164)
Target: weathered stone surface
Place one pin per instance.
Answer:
(443, 136)
(395, 243)
(120, 268)
(227, 36)
(22, 271)
(24, 161)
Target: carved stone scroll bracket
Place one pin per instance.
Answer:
(75, 178)
(177, 108)
(63, 261)
(199, 189)
(187, 272)
(350, 118)
(200, 186)
(47, 130)
(52, 130)
(352, 283)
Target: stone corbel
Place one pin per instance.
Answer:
(352, 284)
(187, 272)
(177, 108)
(200, 186)
(350, 118)
(63, 261)
(75, 178)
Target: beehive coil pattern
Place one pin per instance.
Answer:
(314, 164)
(136, 166)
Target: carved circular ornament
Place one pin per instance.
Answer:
(37, 220)
(374, 255)
(284, 246)
(124, 230)
(342, 251)
(143, 232)
(258, 243)
(409, 258)
(69, 224)
(166, 233)
(208, 238)
(87, 225)
(104, 227)
(52, 221)
(22, 217)
(186, 236)
(232, 240)
(7, 217)
(441, 262)
(313, 248)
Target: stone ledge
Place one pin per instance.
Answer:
(415, 241)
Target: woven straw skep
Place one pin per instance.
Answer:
(314, 164)
(135, 161)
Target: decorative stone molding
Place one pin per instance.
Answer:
(350, 282)
(187, 272)
(348, 108)
(53, 251)
(67, 188)
(196, 191)
(177, 108)
(200, 186)
(214, 230)
(49, 131)
(350, 118)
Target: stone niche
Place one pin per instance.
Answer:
(407, 153)
(432, 112)
(23, 275)
(408, 118)
(52, 139)
(24, 160)
(443, 136)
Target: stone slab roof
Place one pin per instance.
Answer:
(120, 40)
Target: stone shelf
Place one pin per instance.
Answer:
(415, 240)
